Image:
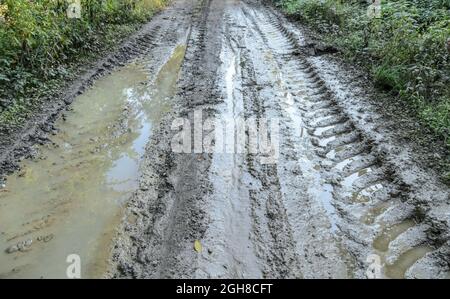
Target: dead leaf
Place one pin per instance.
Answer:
(198, 246)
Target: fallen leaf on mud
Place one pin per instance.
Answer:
(198, 246)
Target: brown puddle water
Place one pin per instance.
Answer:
(381, 244)
(70, 200)
(390, 233)
(405, 261)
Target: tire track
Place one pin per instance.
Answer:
(301, 188)
(364, 188)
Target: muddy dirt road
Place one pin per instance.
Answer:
(335, 194)
(331, 205)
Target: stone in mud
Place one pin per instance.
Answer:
(46, 238)
(21, 246)
(25, 245)
(12, 249)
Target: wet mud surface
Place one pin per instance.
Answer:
(343, 198)
(338, 195)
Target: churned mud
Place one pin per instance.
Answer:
(336, 195)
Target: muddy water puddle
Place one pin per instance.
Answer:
(399, 267)
(389, 234)
(69, 200)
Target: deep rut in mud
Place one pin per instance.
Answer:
(333, 203)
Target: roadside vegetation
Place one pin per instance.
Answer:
(41, 47)
(406, 49)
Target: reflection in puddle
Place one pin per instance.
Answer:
(326, 198)
(341, 165)
(351, 179)
(319, 131)
(365, 194)
(324, 142)
(69, 201)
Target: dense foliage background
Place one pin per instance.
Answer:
(407, 49)
(38, 42)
